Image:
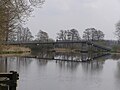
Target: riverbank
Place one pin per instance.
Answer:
(9, 49)
(62, 50)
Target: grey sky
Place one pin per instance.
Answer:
(79, 14)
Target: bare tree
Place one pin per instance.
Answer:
(93, 34)
(23, 34)
(99, 35)
(12, 36)
(27, 35)
(72, 34)
(19, 32)
(117, 32)
(62, 35)
(87, 34)
(42, 36)
(13, 12)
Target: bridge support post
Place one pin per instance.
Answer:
(84, 47)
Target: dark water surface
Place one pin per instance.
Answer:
(41, 74)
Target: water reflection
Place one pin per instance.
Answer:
(117, 75)
(13, 63)
(118, 70)
(43, 54)
(45, 74)
(115, 56)
(94, 67)
(3, 64)
(42, 59)
(69, 66)
(70, 56)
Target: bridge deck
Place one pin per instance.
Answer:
(59, 42)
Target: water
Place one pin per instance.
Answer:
(40, 74)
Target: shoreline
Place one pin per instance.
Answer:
(9, 49)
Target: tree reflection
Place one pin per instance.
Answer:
(95, 61)
(93, 67)
(68, 56)
(3, 65)
(115, 56)
(13, 63)
(43, 54)
(42, 62)
(22, 63)
(118, 70)
(117, 75)
(70, 66)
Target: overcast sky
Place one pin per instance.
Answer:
(58, 15)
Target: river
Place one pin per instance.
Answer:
(102, 73)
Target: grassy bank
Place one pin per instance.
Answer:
(62, 50)
(9, 49)
(115, 49)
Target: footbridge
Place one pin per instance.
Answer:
(85, 45)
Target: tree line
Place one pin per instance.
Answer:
(90, 34)
(21, 33)
(24, 34)
(14, 12)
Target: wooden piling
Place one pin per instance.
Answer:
(10, 81)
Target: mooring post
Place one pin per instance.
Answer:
(14, 77)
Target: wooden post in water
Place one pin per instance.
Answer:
(11, 81)
(14, 79)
